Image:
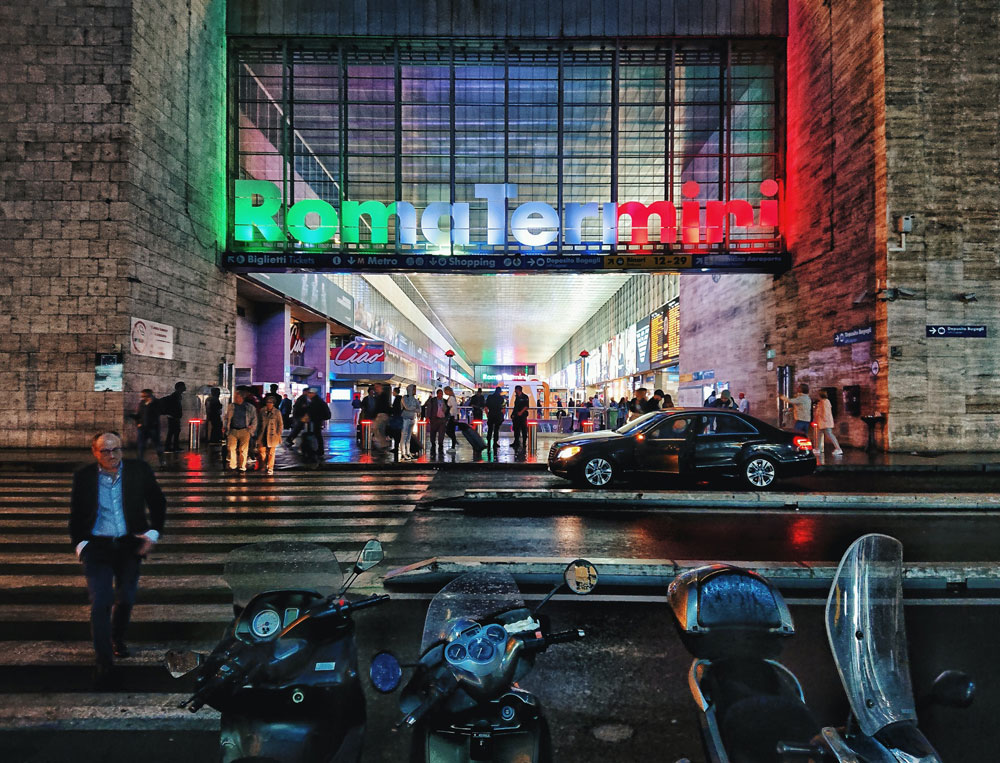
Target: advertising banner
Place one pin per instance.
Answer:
(108, 376)
(642, 345)
(154, 340)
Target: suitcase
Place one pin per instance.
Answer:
(415, 446)
(472, 436)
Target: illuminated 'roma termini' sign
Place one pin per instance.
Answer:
(258, 209)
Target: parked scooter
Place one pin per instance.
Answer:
(479, 639)
(285, 674)
(752, 708)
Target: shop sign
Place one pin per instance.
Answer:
(861, 334)
(532, 224)
(358, 353)
(296, 344)
(154, 340)
(946, 332)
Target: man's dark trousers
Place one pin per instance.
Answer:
(493, 424)
(111, 567)
(520, 425)
(146, 436)
(173, 433)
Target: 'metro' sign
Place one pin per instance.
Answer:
(533, 224)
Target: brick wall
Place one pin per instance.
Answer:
(943, 139)
(833, 198)
(99, 221)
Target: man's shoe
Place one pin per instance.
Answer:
(451, 449)
(243, 470)
(838, 452)
(120, 648)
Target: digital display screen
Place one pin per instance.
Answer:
(665, 333)
(340, 394)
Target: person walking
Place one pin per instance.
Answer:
(743, 404)
(519, 418)
(802, 408)
(117, 512)
(824, 424)
(147, 423)
(453, 415)
(409, 408)
(383, 410)
(172, 406)
(213, 413)
(269, 433)
(437, 420)
(724, 400)
(298, 411)
(496, 408)
(240, 421)
(317, 412)
(285, 408)
(478, 402)
(638, 405)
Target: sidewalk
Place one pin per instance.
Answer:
(343, 451)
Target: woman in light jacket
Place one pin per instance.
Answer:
(270, 433)
(409, 408)
(824, 423)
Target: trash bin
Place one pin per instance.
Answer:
(194, 434)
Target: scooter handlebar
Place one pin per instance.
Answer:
(564, 636)
(353, 606)
(789, 751)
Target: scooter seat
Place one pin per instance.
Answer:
(753, 726)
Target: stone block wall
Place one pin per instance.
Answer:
(834, 200)
(943, 152)
(102, 219)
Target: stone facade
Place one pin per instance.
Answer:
(834, 225)
(113, 202)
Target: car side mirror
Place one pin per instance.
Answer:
(953, 688)
(182, 662)
(580, 577)
(385, 672)
(370, 556)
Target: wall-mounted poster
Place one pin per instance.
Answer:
(155, 340)
(108, 367)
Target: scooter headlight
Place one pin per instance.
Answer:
(569, 452)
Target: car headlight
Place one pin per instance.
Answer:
(569, 452)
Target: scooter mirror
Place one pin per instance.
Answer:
(370, 555)
(953, 688)
(180, 663)
(580, 576)
(385, 672)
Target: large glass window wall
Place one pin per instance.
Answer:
(425, 121)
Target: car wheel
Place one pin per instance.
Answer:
(597, 472)
(759, 473)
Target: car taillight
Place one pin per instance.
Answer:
(802, 443)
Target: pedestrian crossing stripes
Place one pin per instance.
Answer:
(183, 602)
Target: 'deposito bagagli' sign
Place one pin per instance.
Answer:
(853, 336)
(948, 332)
(152, 339)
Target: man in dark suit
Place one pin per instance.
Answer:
(111, 533)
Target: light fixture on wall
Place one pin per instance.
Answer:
(864, 296)
(896, 292)
(968, 297)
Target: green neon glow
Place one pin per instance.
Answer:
(377, 211)
(248, 216)
(328, 223)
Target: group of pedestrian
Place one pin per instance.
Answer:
(820, 413)
(147, 421)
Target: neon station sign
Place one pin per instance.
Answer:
(311, 233)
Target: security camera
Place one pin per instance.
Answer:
(968, 297)
(903, 292)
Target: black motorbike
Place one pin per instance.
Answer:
(285, 674)
(479, 639)
(752, 709)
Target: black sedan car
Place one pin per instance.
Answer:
(690, 442)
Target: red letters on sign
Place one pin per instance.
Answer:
(357, 352)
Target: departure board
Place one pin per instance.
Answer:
(664, 333)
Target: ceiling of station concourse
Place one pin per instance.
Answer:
(511, 319)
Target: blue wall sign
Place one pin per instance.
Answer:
(976, 332)
(860, 334)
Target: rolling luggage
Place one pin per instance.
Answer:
(472, 436)
(415, 446)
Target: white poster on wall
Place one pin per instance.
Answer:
(155, 340)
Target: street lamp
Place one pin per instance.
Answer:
(449, 354)
(583, 369)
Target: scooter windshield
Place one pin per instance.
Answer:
(864, 622)
(472, 596)
(281, 565)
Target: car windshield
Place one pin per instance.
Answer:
(281, 565)
(472, 596)
(636, 424)
(864, 623)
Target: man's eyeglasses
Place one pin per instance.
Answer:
(109, 451)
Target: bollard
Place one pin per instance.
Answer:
(588, 426)
(194, 434)
(366, 434)
(480, 426)
(814, 437)
(532, 436)
(421, 433)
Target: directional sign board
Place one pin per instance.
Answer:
(947, 332)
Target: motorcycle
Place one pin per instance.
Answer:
(752, 708)
(479, 639)
(285, 673)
